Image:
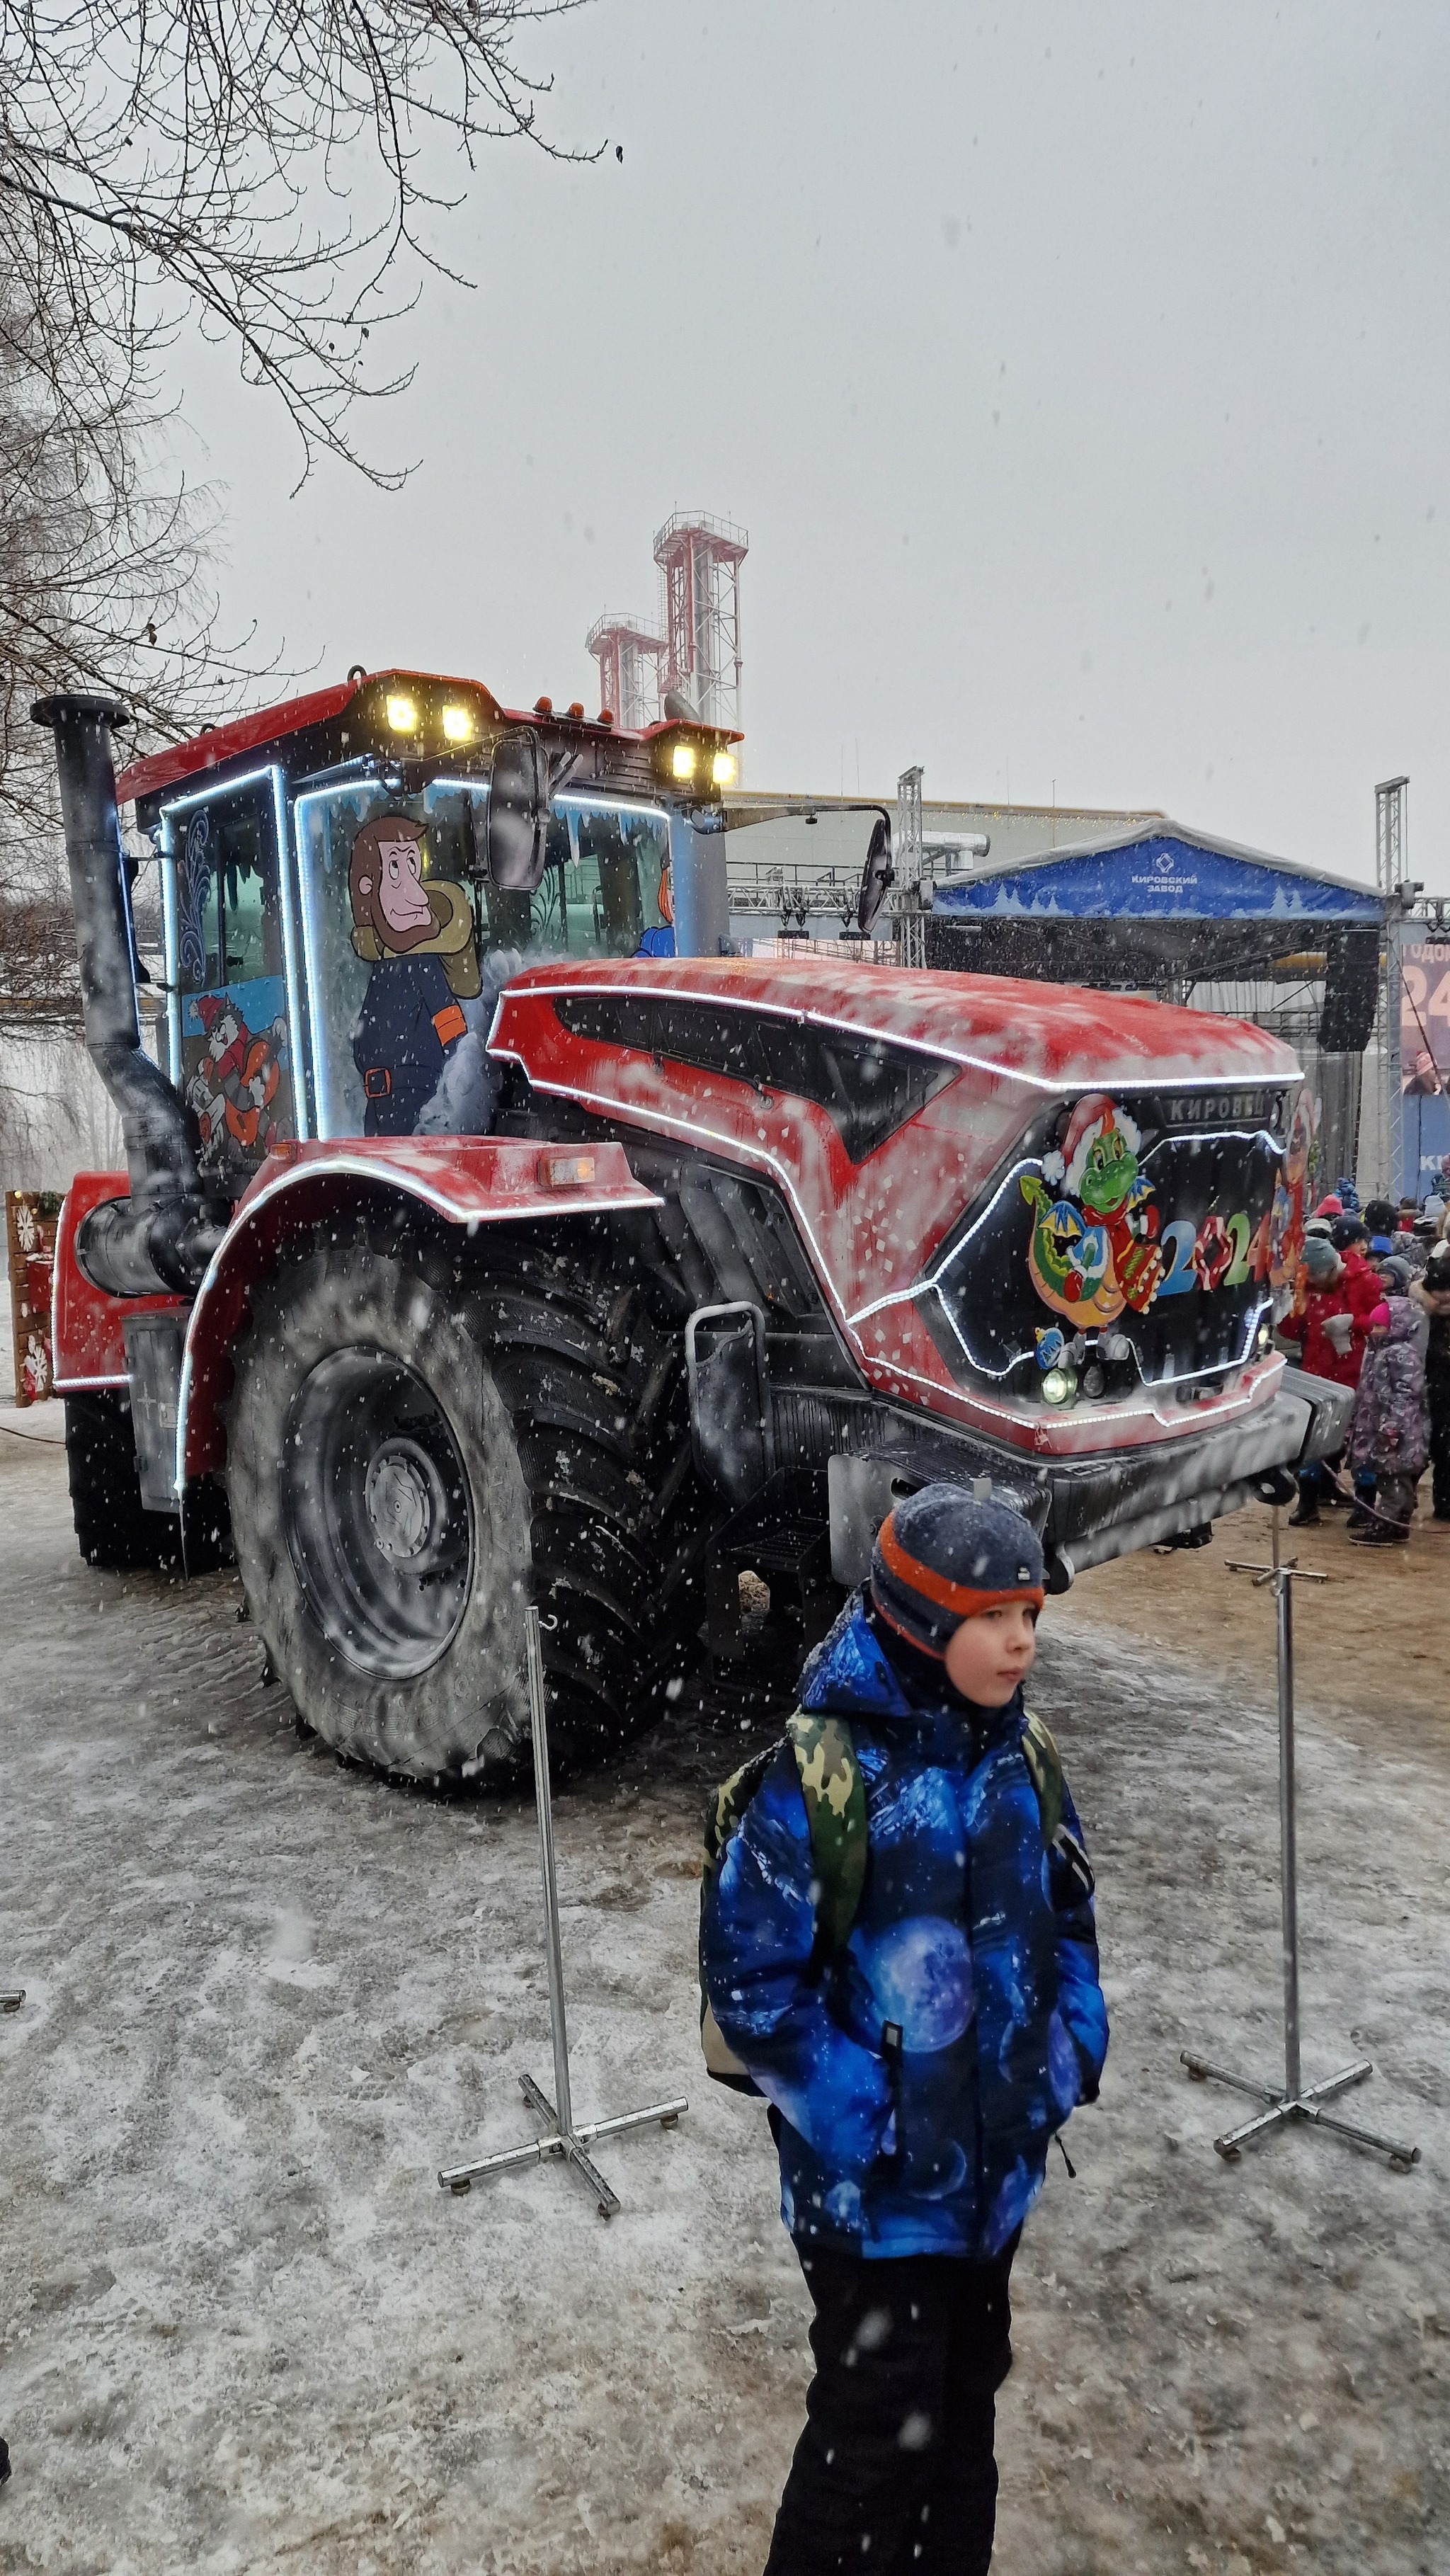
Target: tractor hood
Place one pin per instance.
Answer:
(1043, 1037)
(1064, 1215)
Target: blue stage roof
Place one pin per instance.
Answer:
(1164, 874)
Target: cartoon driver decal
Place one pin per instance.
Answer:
(416, 933)
(1094, 1249)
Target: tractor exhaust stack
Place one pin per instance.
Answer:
(162, 1237)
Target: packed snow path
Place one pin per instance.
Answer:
(242, 2328)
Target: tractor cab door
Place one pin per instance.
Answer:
(230, 997)
(407, 943)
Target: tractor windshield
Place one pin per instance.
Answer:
(407, 946)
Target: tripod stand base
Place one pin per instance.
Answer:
(572, 2144)
(1303, 2105)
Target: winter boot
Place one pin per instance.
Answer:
(1372, 1533)
(1305, 1514)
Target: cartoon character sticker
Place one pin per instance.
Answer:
(416, 933)
(236, 1081)
(1284, 1250)
(1094, 1247)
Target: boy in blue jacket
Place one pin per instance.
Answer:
(918, 2068)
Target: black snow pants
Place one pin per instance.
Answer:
(895, 2469)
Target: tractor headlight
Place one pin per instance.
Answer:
(457, 724)
(402, 714)
(722, 769)
(1266, 1338)
(1059, 1386)
(683, 760)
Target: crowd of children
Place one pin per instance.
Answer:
(1374, 1315)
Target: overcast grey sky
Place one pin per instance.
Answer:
(1079, 372)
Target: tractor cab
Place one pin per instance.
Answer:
(347, 882)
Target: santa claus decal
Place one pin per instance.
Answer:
(234, 1087)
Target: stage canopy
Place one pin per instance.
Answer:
(1165, 908)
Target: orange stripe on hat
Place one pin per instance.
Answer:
(960, 1599)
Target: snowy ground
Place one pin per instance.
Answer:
(242, 2328)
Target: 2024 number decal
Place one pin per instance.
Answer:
(1212, 1255)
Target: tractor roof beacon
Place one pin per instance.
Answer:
(491, 1234)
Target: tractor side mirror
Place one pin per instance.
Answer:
(877, 877)
(516, 828)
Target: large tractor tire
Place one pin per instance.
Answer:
(415, 1453)
(112, 1525)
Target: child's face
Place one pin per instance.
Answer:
(988, 1656)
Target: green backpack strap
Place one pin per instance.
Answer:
(835, 1798)
(724, 1814)
(1044, 1765)
(726, 1807)
(835, 1804)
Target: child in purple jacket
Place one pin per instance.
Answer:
(1390, 1433)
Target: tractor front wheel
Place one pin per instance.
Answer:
(379, 1515)
(415, 1451)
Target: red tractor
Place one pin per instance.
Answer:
(492, 1234)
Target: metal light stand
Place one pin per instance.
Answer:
(1294, 2100)
(562, 2137)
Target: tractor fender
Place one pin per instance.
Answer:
(468, 1181)
(87, 1324)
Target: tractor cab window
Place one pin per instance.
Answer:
(228, 1013)
(408, 945)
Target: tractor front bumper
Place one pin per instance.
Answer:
(1090, 1509)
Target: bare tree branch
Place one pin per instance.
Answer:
(263, 167)
(169, 159)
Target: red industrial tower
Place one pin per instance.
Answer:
(699, 560)
(629, 652)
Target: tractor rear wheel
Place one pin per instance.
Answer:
(413, 1454)
(112, 1525)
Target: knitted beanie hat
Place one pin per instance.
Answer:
(1320, 1258)
(941, 1558)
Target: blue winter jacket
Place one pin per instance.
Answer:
(921, 2072)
